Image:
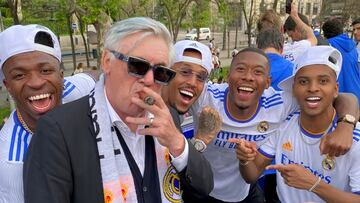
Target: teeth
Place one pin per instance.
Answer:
(247, 89)
(313, 98)
(187, 93)
(38, 97)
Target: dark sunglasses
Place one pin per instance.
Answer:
(139, 67)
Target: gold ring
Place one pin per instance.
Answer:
(151, 121)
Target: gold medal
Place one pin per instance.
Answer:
(263, 126)
(328, 163)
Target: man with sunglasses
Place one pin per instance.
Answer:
(192, 65)
(120, 144)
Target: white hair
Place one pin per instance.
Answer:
(148, 26)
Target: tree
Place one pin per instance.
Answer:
(200, 15)
(249, 15)
(175, 11)
(15, 6)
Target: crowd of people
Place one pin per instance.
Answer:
(291, 108)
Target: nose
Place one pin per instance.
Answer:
(192, 80)
(35, 81)
(313, 87)
(149, 78)
(248, 75)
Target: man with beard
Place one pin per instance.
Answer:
(30, 59)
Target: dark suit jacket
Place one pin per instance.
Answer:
(62, 163)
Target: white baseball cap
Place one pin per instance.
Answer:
(325, 55)
(19, 39)
(206, 57)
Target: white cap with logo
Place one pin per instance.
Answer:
(19, 39)
(206, 58)
(325, 55)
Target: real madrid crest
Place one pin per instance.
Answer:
(263, 126)
(328, 163)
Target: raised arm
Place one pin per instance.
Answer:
(340, 140)
(302, 26)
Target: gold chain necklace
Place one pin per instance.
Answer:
(23, 122)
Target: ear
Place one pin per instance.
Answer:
(105, 61)
(336, 94)
(8, 87)
(268, 81)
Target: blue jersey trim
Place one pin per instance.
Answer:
(266, 154)
(274, 104)
(19, 145)
(13, 137)
(292, 114)
(215, 92)
(357, 193)
(333, 124)
(68, 91)
(25, 144)
(271, 100)
(234, 119)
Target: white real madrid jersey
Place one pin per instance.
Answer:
(292, 50)
(272, 109)
(14, 141)
(295, 145)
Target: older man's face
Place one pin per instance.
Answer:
(119, 85)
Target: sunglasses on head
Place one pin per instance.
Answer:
(139, 67)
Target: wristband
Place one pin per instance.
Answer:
(316, 184)
(243, 163)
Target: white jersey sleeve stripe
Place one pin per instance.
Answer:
(266, 154)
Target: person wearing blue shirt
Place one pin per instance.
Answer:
(272, 42)
(349, 78)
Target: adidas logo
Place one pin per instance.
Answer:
(287, 146)
(193, 45)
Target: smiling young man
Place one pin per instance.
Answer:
(252, 110)
(193, 66)
(30, 69)
(303, 173)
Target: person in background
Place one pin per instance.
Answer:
(79, 69)
(356, 31)
(297, 28)
(349, 78)
(271, 41)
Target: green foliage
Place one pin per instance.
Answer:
(4, 112)
(200, 14)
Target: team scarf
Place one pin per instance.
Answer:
(118, 183)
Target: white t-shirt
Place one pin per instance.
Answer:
(293, 144)
(14, 141)
(358, 50)
(273, 108)
(292, 50)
